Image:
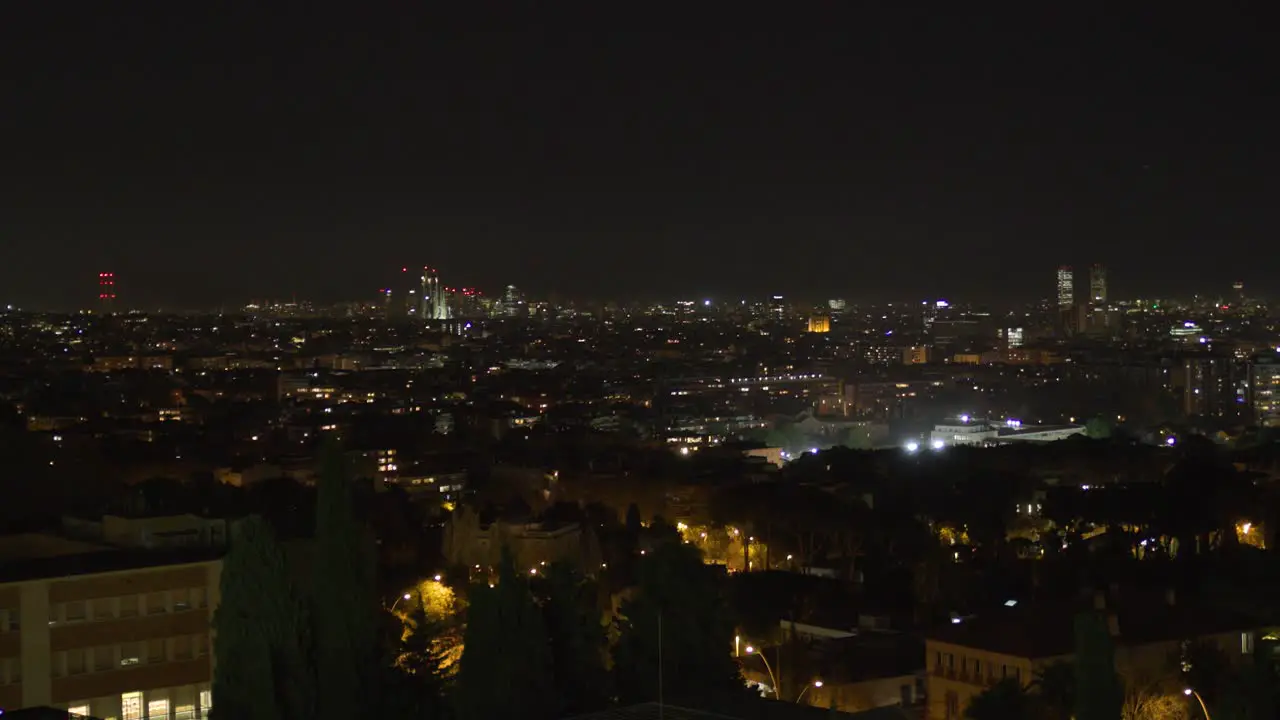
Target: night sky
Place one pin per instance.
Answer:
(213, 156)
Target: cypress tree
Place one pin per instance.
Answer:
(678, 596)
(261, 634)
(344, 600)
(1099, 694)
(577, 641)
(506, 666)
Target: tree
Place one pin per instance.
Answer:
(506, 666)
(633, 522)
(1006, 700)
(577, 641)
(1153, 700)
(1055, 686)
(261, 634)
(1099, 428)
(677, 625)
(344, 599)
(416, 678)
(1099, 695)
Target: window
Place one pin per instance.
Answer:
(131, 654)
(104, 608)
(1246, 643)
(77, 611)
(76, 662)
(129, 606)
(184, 712)
(197, 597)
(158, 709)
(181, 599)
(201, 645)
(182, 647)
(131, 706)
(55, 610)
(155, 650)
(155, 603)
(14, 624)
(81, 710)
(15, 670)
(206, 702)
(953, 705)
(104, 658)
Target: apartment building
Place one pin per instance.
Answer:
(1020, 640)
(119, 634)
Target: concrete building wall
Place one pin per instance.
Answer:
(130, 645)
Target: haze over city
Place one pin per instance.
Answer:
(210, 157)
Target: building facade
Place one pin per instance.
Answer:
(129, 641)
(1066, 288)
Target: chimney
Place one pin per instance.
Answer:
(1113, 625)
(1171, 597)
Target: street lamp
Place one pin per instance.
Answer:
(772, 678)
(814, 684)
(1203, 707)
(405, 596)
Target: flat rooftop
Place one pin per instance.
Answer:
(35, 556)
(40, 546)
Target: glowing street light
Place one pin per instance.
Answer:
(938, 445)
(405, 596)
(815, 684)
(1189, 692)
(912, 446)
(772, 678)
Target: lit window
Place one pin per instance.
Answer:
(130, 654)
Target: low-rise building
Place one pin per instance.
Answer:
(106, 632)
(1020, 640)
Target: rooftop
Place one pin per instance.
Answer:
(33, 556)
(1041, 630)
(40, 546)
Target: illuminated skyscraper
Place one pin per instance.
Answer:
(434, 302)
(1098, 285)
(1066, 287)
(106, 291)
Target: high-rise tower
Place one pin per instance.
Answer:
(1066, 287)
(434, 303)
(1098, 285)
(106, 291)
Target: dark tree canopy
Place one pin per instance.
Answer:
(506, 667)
(344, 599)
(261, 636)
(679, 597)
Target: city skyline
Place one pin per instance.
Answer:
(211, 159)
